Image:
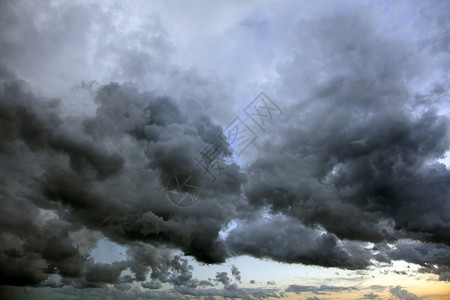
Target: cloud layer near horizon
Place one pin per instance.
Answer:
(352, 161)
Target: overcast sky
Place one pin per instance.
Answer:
(224, 149)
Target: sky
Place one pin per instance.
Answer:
(224, 149)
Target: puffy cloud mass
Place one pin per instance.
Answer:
(107, 174)
(103, 121)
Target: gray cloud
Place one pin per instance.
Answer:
(123, 292)
(298, 289)
(223, 278)
(236, 273)
(353, 155)
(323, 175)
(82, 181)
(353, 159)
(154, 285)
(420, 253)
(231, 291)
(104, 273)
(370, 295)
(433, 258)
(402, 293)
(286, 239)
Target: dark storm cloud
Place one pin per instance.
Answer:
(353, 160)
(104, 273)
(34, 122)
(433, 258)
(420, 253)
(356, 154)
(286, 239)
(87, 171)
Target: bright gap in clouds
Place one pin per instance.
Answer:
(446, 160)
(108, 252)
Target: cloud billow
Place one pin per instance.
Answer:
(355, 157)
(86, 172)
(352, 160)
